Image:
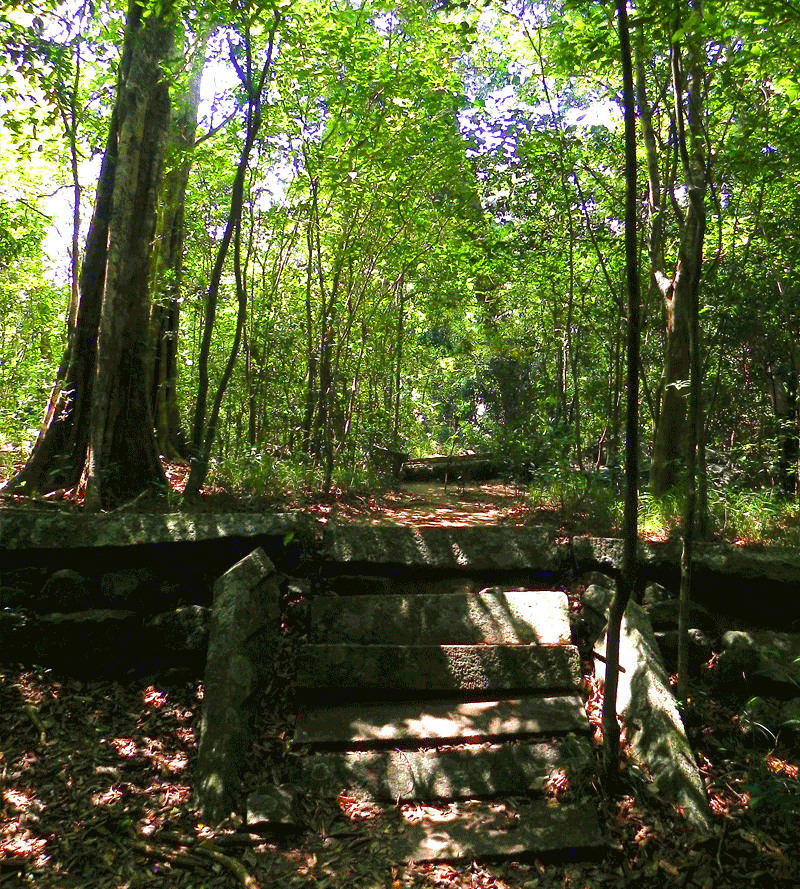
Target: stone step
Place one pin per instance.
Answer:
(538, 829)
(430, 722)
(482, 829)
(492, 616)
(460, 772)
(436, 668)
(485, 548)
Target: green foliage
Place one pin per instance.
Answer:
(431, 241)
(582, 501)
(660, 515)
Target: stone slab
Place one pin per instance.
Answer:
(656, 735)
(473, 548)
(29, 529)
(468, 771)
(492, 616)
(540, 830)
(245, 628)
(721, 559)
(437, 667)
(441, 720)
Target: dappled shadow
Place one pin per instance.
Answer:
(462, 548)
(440, 679)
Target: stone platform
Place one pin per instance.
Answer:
(445, 696)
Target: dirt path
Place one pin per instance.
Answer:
(427, 503)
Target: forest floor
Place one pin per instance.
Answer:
(95, 787)
(95, 777)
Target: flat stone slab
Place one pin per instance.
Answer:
(539, 830)
(779, 565)
(469, 771)
(475, 548)
(766, 642)
(444, 721)
(437, 667)
(32, 529)
(491, 616)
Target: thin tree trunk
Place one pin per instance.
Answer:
(627, 582)
(398, 361)
(203, 432)
(678, 291)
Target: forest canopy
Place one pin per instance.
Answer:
(266, 238)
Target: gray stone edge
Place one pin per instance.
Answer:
(655, 705)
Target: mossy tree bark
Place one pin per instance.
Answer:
(98, 429)
(678, 289)
(172, 441)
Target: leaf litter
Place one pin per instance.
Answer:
(95, 790)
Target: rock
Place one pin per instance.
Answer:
(91, 642)
(356, 669)
(701, 645)
(493, 615)
(597, 600)
(665, 614)
(245, 631)
(357, 585)
(655, 731)
(771, 661)
(179, 638)
(450, 722)
(569, 830)
(731, 676)
(789, 719)
(65, 591)
(654, 593)
(127, 588)
(26, 529)
(587, 627)
(464, 771)
(720, 559)
(14, 597)
(17, 630)
(273, 807)
(597, 578)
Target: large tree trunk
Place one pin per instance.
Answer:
(168, 268)
(122, 459)
(98, 424)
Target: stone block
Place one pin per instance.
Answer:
(436, 668)
(473, 548)
(64, 591)
(246, 611)
(539, 830)
(655, 730)
(442, 721)
(492, 616)
(477, 771)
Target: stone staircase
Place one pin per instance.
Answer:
(440, 696)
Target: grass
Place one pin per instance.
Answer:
(588, 503)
